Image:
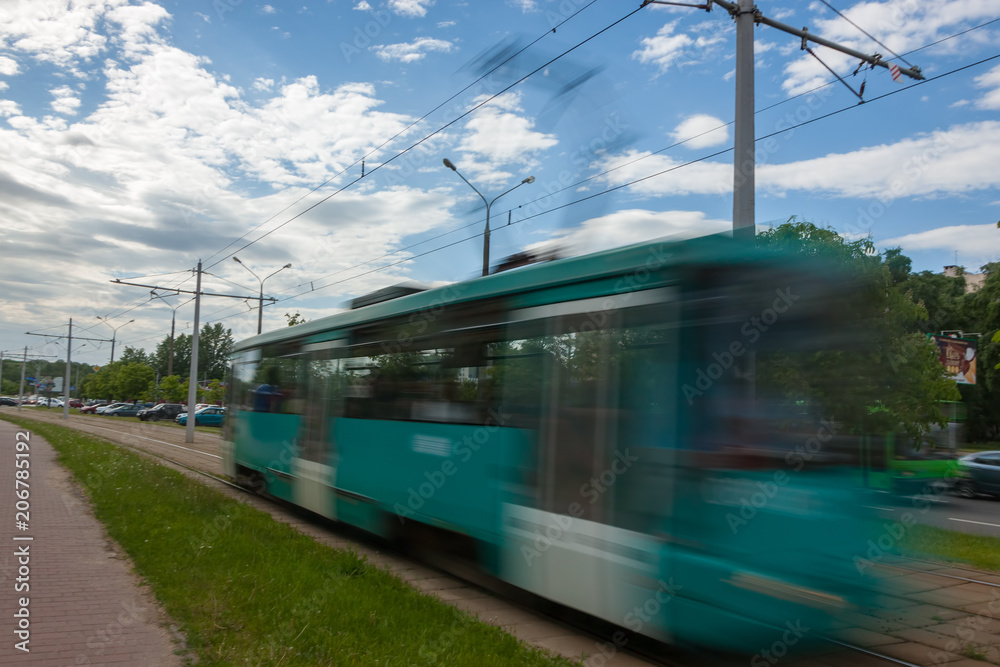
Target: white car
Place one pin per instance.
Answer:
(49, 402)
(104, 408)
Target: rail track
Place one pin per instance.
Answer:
(201, 458)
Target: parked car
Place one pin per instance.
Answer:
(101, 409)
(127, 410)
(212, 415)
(90, 409)
(161, 411)
(980, 474)
(8, 401)
(75, 403)
(49, 403)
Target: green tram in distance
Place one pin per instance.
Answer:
(587, 429)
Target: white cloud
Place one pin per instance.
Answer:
(446, 24)
(626, 227)
(991, 100)
(968, 240)
(66, 101)
(8, 66)
(363, 6)
(701, 131)
(524, 5)
(416, 50)
(410, 8)
(497, 135)
(268, 9)
(667, 49)
(901, 25)
(958, 160)
(262, 84)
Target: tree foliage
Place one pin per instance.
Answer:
(890, 370)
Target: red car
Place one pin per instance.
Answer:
(89, 409)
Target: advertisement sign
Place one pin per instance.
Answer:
(958, 355)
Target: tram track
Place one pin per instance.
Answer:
(640, 650)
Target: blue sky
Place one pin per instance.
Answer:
(138, 137)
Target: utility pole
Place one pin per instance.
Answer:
(69, 357)
(747, 15)
(20, 391)
(193, 376)
(193, 372)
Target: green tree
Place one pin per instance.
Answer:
(133, 355)
(173, 389)
(295, 319)
(132, 380)
(898, 369)
(215, 344)
(215, 392)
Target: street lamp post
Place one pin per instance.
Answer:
(489, 204)
(260, 309)
(114, 336)
(173, 322)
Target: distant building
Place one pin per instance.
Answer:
(973, 281)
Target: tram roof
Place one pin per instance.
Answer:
(651, 254)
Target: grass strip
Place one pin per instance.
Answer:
(246, 589)
(979, 551)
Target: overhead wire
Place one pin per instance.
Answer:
(406, 129)
(410, 258)
(468, 112)
(869, 35)
(639, 180)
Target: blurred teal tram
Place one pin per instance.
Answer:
(596, 430)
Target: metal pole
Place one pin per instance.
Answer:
(69, 361)
(743, 156)
(260, 308)
(170, 359)
(20, 391)
(113, 337)
(486, 242)
(193, 375)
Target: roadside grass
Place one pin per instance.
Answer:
(246, 589)
(979, 551)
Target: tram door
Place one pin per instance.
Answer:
(579, 542)
(315, 465)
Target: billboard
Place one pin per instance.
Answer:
(958, 355)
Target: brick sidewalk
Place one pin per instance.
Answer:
(85, 605)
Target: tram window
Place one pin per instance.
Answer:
(278, 385)
(243, 371)
(443, 384)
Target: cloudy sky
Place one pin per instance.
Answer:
(138, 137)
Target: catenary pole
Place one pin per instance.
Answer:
(744, 228)
(20, 391)
(69, 359)
(193, 375)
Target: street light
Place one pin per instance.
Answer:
(260, 310)
(114, 335)
(173, 321)
(486, 234)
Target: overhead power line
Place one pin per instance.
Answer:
(403, 131)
